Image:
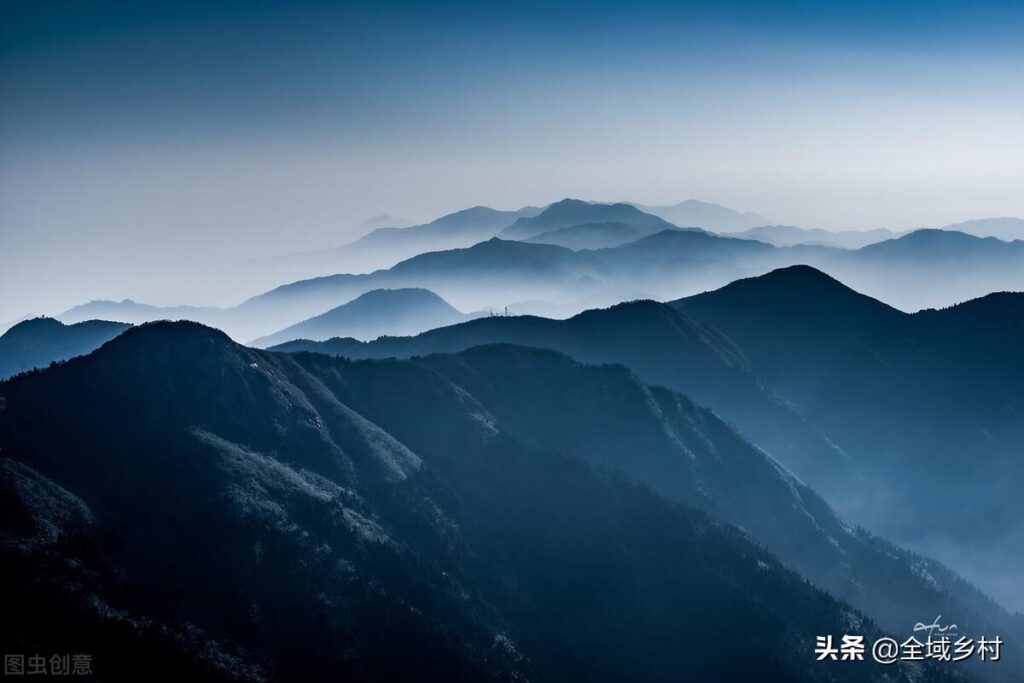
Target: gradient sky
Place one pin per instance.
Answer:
(148, 148)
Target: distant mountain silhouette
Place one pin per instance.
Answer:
(680, 260)
(692, 213)
(230, 513)
(570, 212)
(386, 245)
(384, 221)
(488, 274)
(922, 247)
(133, 312)
(479, 222)
(1008, 229)
(675, 245)
(38, 342)
(470, 279)
(789, 235)
(492, 274)
(590, 236)
(924, 269)
(930, 268)
(378, 312)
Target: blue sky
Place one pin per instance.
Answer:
(137, 139)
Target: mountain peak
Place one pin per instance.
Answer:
(800, 273)
(178, 333)
(785, 292)
(406, 293)
(567, 203)
(938, 234)
(472, 213)
(938, 244)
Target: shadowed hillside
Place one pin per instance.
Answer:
(350, 530)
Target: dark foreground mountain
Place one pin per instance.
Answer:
(38, 342)
(376, 313)
(213, 511)
(928, 406)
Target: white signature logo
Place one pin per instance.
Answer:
(935, 627)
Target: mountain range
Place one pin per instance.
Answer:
(177, 501)
(390, 240)
(790, 235)
(929, 268)
(856, 397)
(1006, 229)
(958, 387)
(568, 266)
(673, 262)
